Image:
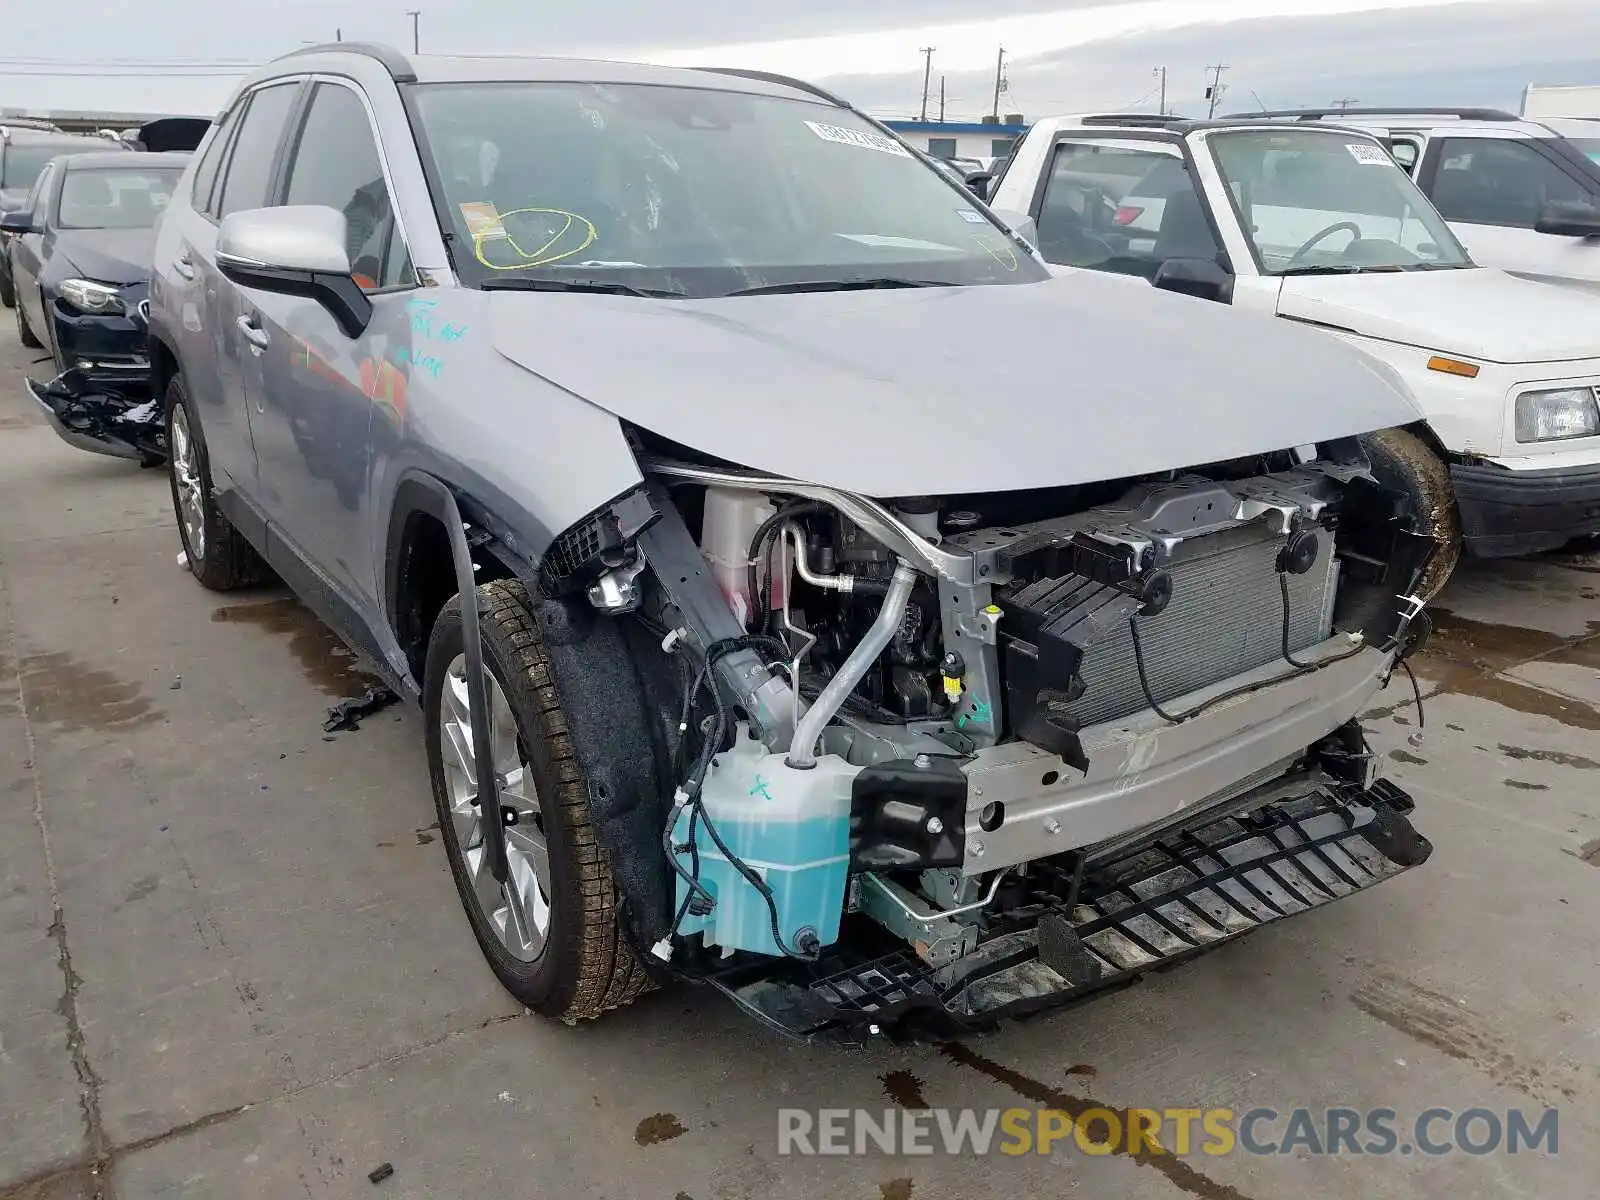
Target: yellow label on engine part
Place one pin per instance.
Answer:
(952, 687)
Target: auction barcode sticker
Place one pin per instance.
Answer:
(1368, 154)
(858, 138)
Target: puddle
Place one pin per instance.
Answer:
(1556, 757)
(1466, 657)
(1521, 786)
(904, 1088)
(662, 1127)
(328, 663)
(63, 692)
(1402, 756)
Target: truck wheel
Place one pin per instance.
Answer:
(218, 555)
(1403, 461)
(551, 932)
(25, 332)
(8, 290)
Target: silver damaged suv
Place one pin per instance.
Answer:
(631, 421)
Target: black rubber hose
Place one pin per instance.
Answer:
(758, 602)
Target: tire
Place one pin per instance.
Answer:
(25, 332)
(8, 290)
(583, 966)
(1403, 461)
(218, 555)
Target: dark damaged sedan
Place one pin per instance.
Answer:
(80, 256)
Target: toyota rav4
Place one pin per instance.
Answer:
(626, 419)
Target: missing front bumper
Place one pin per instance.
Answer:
(1077, 928)
(118, 419)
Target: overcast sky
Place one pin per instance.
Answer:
(1062, 55)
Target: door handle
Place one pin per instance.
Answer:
(253, 333)
(183, 266)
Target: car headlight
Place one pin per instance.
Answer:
(87, 296)
(1546, 416)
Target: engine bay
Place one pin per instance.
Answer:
(903, 712)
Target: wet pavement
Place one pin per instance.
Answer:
(232, 962)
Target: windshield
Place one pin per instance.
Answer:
(20, 164)
(1313, 201)
(694, 191)
(115, 197)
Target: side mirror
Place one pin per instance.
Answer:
(1025, 226)
(1568, 218)
(978, 184)
(17, 223)
(1198, 277)
(295, 250)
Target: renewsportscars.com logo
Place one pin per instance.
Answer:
(1179, 1131)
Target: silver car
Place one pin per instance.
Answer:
(805, 592)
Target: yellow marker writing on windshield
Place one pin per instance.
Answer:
(542, 256)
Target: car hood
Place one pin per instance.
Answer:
(107, 255)
(963, 389)
(1477, 312)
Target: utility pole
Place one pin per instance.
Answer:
(338, 35)
(1161, 74)
(927, 78)
(1214, 92)
(416, 39)
(999, 81)
(941, 99)
(1345, 103)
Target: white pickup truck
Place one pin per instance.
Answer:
(1320, 226)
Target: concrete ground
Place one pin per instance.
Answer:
(232, 962)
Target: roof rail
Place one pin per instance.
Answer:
(1316, 114)
(1135, 120)
(821, 93)
(397, 64)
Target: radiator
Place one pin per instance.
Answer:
(1225, 618)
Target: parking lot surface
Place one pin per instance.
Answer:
(232, 962)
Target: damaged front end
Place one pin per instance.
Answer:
(109, 411)
(958, 757)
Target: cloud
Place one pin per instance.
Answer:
(1062, 55)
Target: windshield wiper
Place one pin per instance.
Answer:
(1337, 269)
(837, 285)
(605, 287)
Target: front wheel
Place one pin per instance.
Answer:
(550, 932)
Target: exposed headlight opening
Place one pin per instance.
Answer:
(1554, 414)
(90, 297)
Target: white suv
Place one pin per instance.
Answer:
(1521, 195)
(1318, 225)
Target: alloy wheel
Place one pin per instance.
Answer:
(185, 457)
(519, 909)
